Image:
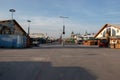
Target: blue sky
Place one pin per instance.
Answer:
(84, 15)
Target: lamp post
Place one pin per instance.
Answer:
(28, 26)
(63, 33)
(12, 23)
(12, 10)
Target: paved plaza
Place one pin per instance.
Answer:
(60, 63)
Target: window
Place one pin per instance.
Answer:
(104, 33)
(113, 32)
(117, 31)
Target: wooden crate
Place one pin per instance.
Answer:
(90, 42)
(117, 46)
(112, 46)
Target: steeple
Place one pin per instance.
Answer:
(86, 33)
(72, 34)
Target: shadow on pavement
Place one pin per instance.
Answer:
(41, 71)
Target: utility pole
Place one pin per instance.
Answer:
(12, 23)
(28, 26)
(63, 32)
(12, 10)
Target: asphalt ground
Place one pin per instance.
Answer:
(60, 63)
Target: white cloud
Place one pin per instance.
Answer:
(51, 25)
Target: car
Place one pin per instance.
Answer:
(80, 42)
(103, 43)
(35, 42)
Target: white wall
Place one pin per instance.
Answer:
(101, 33)
(117, 31)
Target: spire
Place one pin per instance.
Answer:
(86, 32)
(72, 32)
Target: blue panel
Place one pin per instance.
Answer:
(12, 41)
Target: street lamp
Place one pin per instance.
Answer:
(28, 26)
(63, 33)
(12, 10)
(12, 23)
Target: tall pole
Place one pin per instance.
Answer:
(12, 10)
(63, 33)
(12, 23)
(28, 26)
